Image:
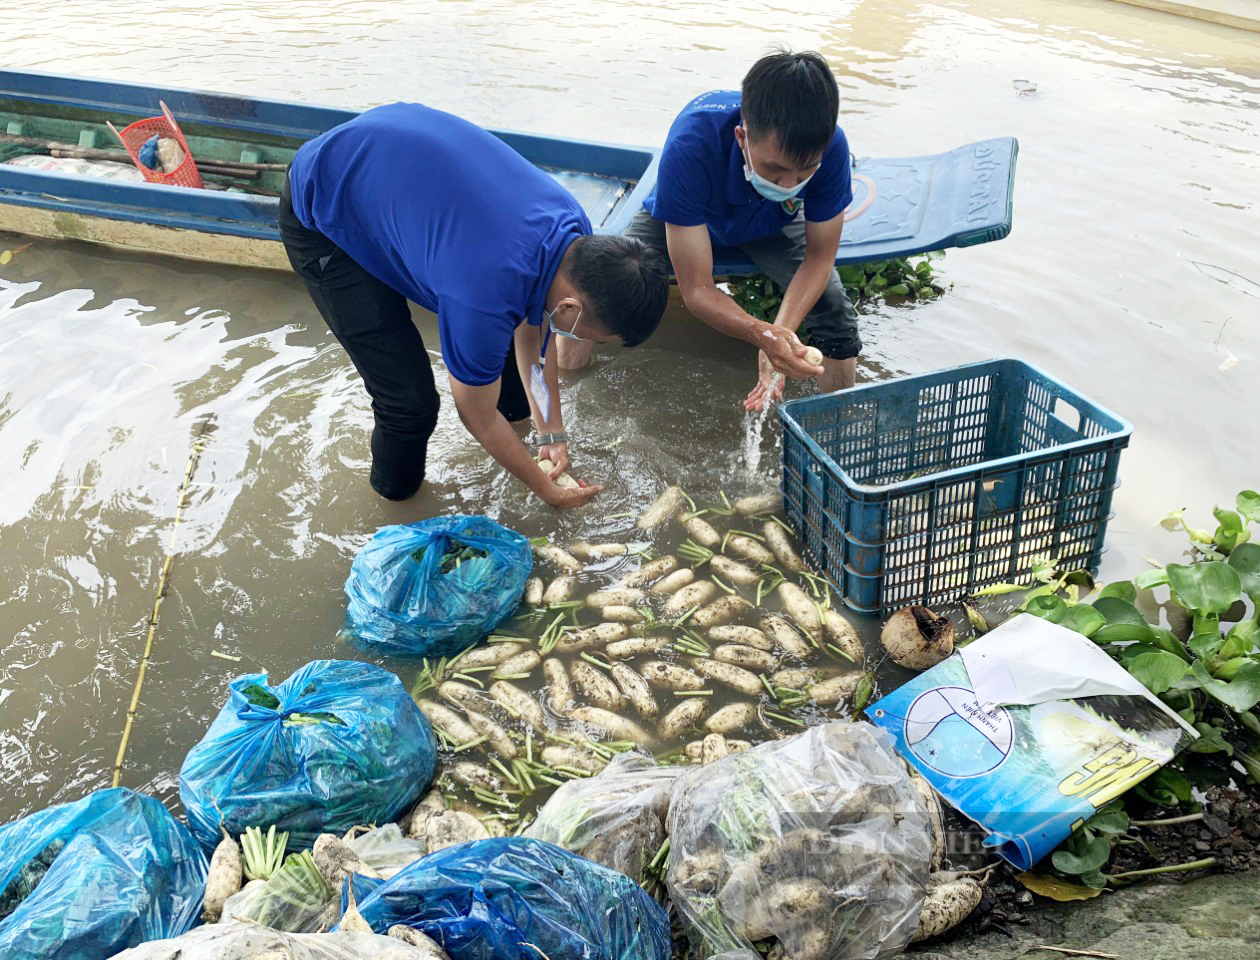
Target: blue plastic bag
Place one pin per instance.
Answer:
(339, 743)
(128, 872)
(513, 898)
(437, 587)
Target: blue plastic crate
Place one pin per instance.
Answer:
(923, 489)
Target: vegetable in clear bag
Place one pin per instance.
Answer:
(249, 941)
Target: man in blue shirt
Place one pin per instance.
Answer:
(408, 203)
(764, 169)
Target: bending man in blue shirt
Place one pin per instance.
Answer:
(764, 169)
(409, 203)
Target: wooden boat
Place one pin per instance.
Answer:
(901, 206)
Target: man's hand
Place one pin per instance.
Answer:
(769, 388)
(558, 454)
(785, 352)
(563, 497)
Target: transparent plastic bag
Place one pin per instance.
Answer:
(296, 899)
(818, 842)
(616, 818)
(386, 850)
(247, 941)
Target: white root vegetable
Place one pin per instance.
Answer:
(813, 356)
(763, 503)
(749, 549)
(802, 610)
(781, 545)
(351, 921)
(636, 647)
(722, 610)
(748, 636)
(476, 775)
(785, 905)
(413, 824)
(624, 596)
(636, 690)
(651, 571)
(525, 662)
(560, 590)
(713, 747)
(587, 637)
(595, 685)
(701, 531)
(564, 480)
(455, 727)
(559, 689)
(562, 560)
(917, 638)
(462, 695)
(800, 678)
(333, 857)
(732, 717)
(729, 675)
(832, 691)
(621, 614)
(495, 734)
(935, 820)
(519, 703)
(224, 879)
(682, 718)
(946, 905)
(664, 507)
(602, 551)
(842, 636)
(733, 571)
(417, 939)
(692, 595)
(786, 637)
(742, 656)
(450, 827)
(695, 749)
(671, 676)
(619, 728)
(490, 655)
(575, 757)
(533, 591)
(674, 582)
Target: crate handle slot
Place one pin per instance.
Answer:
(1068, 414)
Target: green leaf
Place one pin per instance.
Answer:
(1117, 610)
(1157, 671)
(1094, 879)
(997, 589)
(1121, 589)
(1111, 820)
(1240, 641)
(1150, 579)
(1055, 888)
(1084, 619)
(1168, 787)
(1245, 561)
(1205, 637)
(899, 290)
(1248, 504)
(1165, 639)
(1231, 531)
(260, 696)
(1250, 721)
(1048, 608)
(1228, 669)
(1205, 588)
(1080, 578)
(1241, 693)
(1210, 741)
(1096, 853)
(1123, 633)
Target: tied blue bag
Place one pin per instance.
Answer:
(338, 743)
(513, 898)
(117, 870)
(437, 587)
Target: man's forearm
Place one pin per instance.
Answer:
(711, 306)
(498, 438)
(808, 284)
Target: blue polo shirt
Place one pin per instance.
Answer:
(701, 178)
(449, 216)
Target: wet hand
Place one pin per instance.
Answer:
(564, 497)
(769, 388)
(558, 454)
(786, 352)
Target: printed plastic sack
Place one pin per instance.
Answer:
(83, 880)
(513, 898)
(616, 818)
(246, 941)
(337, 744)
(436, 587)
(818, 842)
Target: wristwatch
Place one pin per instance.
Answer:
(544, 439)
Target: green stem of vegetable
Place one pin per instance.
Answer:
(1175, 868)
(1188, 818)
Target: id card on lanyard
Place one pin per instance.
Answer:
(538, 385)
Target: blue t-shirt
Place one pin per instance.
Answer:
(701, 178)
(449, 216)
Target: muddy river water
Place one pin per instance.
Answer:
(1130, 274)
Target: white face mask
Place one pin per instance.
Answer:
(767, 188)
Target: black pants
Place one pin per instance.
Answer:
(373, 323)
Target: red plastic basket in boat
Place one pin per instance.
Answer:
(135, 134)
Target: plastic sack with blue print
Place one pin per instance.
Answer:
(436, 587)
(85, 880)
(338, 743)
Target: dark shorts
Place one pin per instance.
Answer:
(831, 325)
(372, 321)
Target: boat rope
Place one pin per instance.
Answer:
(194, 456)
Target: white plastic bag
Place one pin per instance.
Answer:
(249, 941)
(386, 850)
(616, 818)
(816, 847)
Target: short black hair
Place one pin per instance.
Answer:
(793, 97)
(625, 281)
